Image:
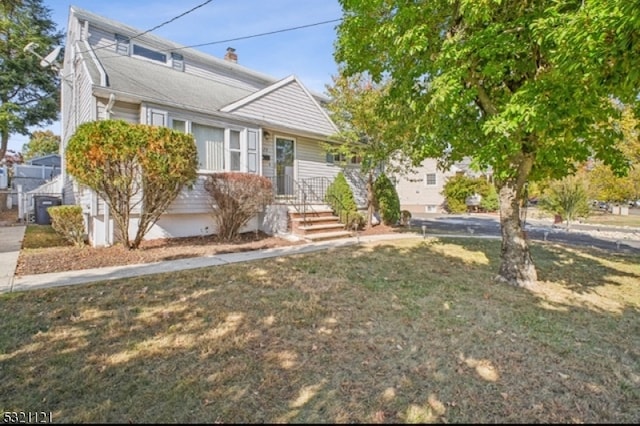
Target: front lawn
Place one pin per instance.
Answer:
(409, 331)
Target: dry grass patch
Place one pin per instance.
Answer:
(393, 332)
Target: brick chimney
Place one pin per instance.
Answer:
(231, 55)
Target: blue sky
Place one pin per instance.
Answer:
(306, 53)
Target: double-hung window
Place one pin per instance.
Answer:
(211, 147)
(430, 179)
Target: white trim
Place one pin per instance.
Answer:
(103, 74)
(275, 154)
(256, 95)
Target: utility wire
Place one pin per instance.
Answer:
(156, 27)
(236, 38)
(260, 35)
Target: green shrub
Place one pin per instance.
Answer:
(340, 197)
(387, 198)
(490, 201)
(68, 222)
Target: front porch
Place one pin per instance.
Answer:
(308, 215)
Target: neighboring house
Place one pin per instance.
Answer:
(40, 174)
(242, 120)
(49, 160)
(420, 190)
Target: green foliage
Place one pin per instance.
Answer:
(568, 198)
(456, 190)
(388, 201)
(340, 197)
(490, 201)
(238, 197)
(68, 222)
(522, 87)
(28, 92)
(459, 187)
(41, 143)
(135, 168)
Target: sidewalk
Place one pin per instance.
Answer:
(10, 245)
(58, 279)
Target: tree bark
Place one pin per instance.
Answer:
(370, 199)
(516, 267)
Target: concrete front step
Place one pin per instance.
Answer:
(328, 235)
(316, 229)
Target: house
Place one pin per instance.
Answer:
(242, 120)
(420, 190)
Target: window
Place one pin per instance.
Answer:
(234, 150)
(221, 149)
(122, 44)
(179, 125)
(177, 61)
(210, 144)
(149, 53)
(430, 179)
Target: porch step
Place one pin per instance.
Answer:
(319, 228)
(322, 236)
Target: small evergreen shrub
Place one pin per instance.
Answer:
(340, 198)
(68, 222)
(388, 201)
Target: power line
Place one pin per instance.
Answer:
(156, 27)
(172, 19)
(237, 38)
(260, 34)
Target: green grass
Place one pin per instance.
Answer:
(395, 332)
(42, 236)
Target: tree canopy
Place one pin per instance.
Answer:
(42, 142)
(523, 87)
(29, 94)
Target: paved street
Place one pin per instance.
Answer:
(605, 237)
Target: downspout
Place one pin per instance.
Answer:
(107, 110)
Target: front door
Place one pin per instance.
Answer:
(284, 166)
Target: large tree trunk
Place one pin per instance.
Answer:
(516, 267)
(370, 199)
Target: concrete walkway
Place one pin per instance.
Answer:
(10, 244)
(58, 279)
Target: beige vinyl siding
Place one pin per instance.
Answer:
(311, 160)
(289, 106)
(83, 101)
(128, 112)
(194, 200)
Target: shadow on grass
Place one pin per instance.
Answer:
(404, 332)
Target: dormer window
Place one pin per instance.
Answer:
(154, 55)
(122, 44)
(177, 61)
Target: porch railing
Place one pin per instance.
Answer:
(302, 194)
